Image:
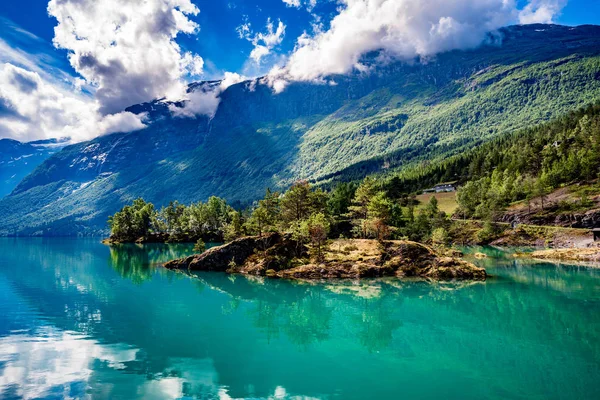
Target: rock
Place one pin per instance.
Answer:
(449, 269)
(398, 258)
(251, 255)
(279, 256)
(480, 256)
(219, 258)
(586, 220)
(271, 273)
(576, 254)
(336, 270)
(410, 259)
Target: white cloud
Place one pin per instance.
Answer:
(293, 3)
(205, 98)
(40, 57)
(541, 11)
(309, 4)
(32, 108)
(403, 29)
(127, 49)
(263, 42)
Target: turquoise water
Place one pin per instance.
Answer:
(80, 320)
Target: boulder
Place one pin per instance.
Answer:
(411, 259)
(252, 255)
(220, 258)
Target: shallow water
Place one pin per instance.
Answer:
(81, 320)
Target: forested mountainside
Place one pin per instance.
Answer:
(525, 165)
(17, 160)
(393, 117)
(513, 171)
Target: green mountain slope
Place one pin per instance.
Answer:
(393, 117)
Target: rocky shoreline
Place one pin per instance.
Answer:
(161, 237)
(591, 255)
(279, 256)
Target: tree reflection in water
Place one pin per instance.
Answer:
(138, 262)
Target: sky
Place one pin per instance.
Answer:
(69, 68)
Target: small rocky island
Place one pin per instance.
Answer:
(279, 256)
(591, 254)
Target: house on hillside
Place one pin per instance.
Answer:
(442, 188)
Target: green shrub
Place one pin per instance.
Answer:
(440, 236)
(200, 246)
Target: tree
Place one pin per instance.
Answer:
(340, 199)
(469, 197)
(299, 202)
(316, 228)
(440, 237)
(296, 203)
(432, 209)
(541, 189)
(171, 217)
(217, 214)
(233, 229)
(421, 229)
(259, 221)
(378, 214)
(200, 246)
(266, 215)
(132, 222)
(271, 204)
(359, 210)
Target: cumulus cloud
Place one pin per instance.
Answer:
(124, 53)
(127, 49)
(33, 108)
(263, 42)
(541, 11)
(402, 29)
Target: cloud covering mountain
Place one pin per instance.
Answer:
(127, 50)
(125, 53)
(402, 29)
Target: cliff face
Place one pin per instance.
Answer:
(394, 115)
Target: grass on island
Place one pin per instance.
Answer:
(446, 201)
(354, 250)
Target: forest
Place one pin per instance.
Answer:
(521, 166)
(310, 214)
(524, 165)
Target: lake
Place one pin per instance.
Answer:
(81, 320)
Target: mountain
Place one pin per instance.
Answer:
(396, 115)
(17, 160)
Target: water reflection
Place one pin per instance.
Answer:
(50, 361)
(57, 364)
(304, 321)
(73, 326)
(138, 262)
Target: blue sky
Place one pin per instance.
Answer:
(70, 67)
(218, 42)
